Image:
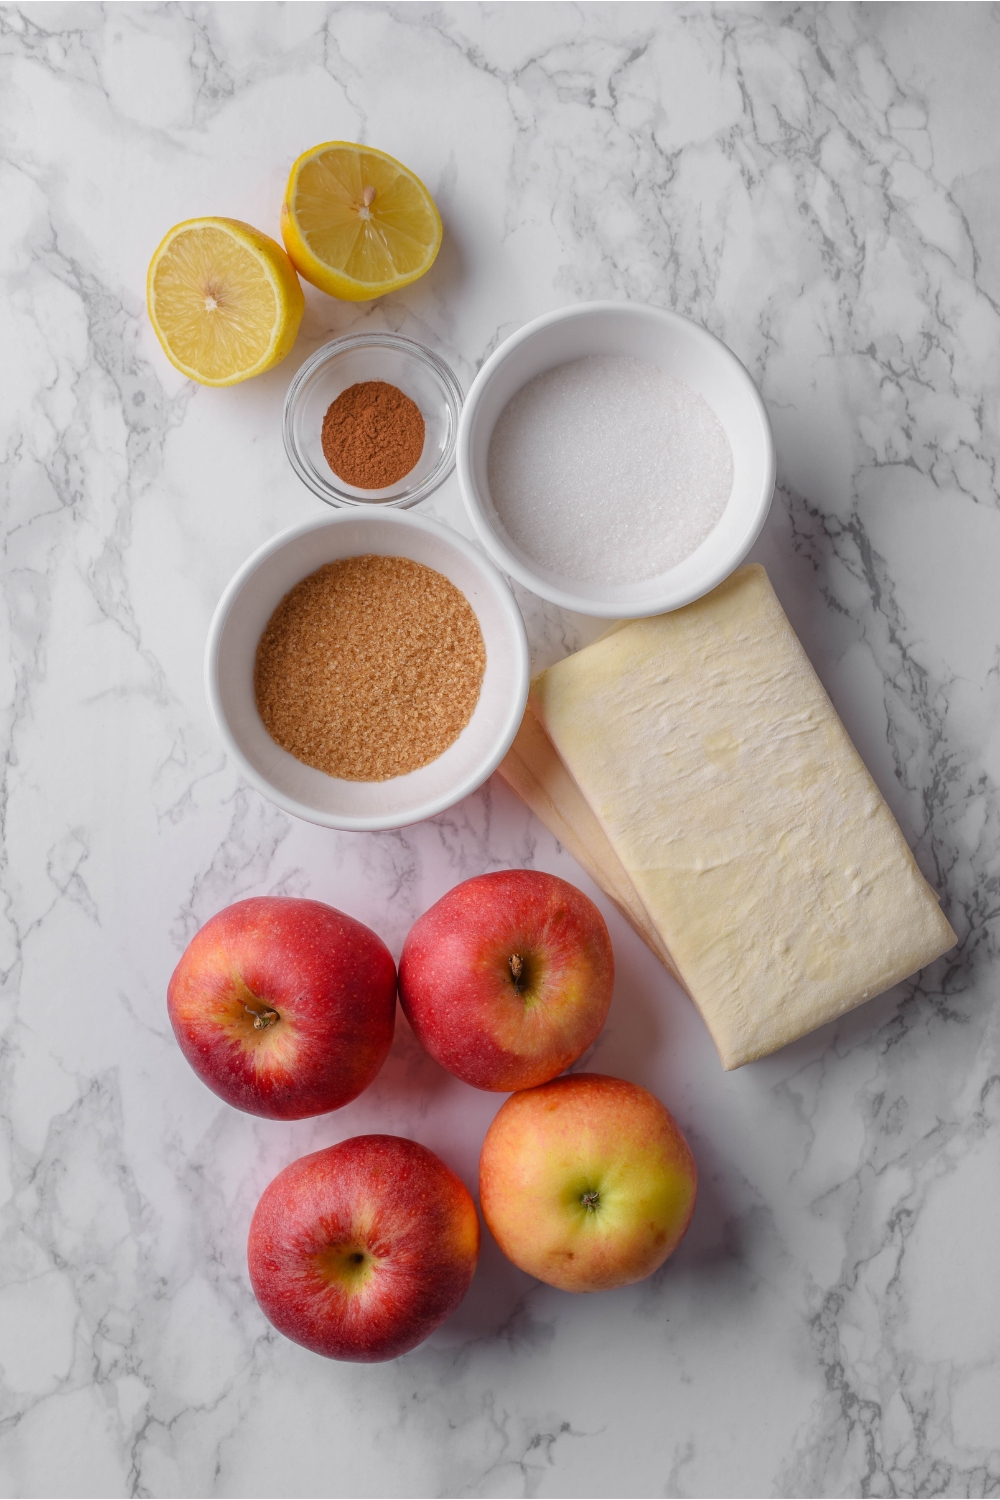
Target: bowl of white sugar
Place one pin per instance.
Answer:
(616, 459)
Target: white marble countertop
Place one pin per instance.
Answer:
(819, 186)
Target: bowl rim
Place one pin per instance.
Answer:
(501, 554)
(463, 788)
(331, 494)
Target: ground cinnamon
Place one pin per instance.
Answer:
(370, 667)
(373, 435)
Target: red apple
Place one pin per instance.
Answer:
(284, 1007)
(508, 978)
(587, 1182)
(360, 1251)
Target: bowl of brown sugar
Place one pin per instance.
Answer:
(371, 419)
(367, 670)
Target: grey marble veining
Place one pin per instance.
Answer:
(819, 186)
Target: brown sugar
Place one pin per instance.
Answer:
(373, 435)
(369, 668)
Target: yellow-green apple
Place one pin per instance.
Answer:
(507, 979)
(360, 1251)
(284, 1007)
(586, 1182)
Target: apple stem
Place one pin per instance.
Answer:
(262, 1018)
(516, 967)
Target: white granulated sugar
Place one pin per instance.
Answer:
(607, 470)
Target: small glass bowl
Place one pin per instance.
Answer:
(344, 362)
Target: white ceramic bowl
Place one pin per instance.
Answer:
(247, 605)
(680, 348)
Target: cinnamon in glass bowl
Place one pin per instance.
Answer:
(373, 435)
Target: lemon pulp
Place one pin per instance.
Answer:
(224, 300)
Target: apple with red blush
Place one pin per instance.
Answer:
(507, 979)
(358, 1252)
(587, 1182)
(284, 1007)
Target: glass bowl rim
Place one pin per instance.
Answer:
(330, 492)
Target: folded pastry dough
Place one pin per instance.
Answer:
(695, 767)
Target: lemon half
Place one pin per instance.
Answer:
(357, 223)
(224, 300)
